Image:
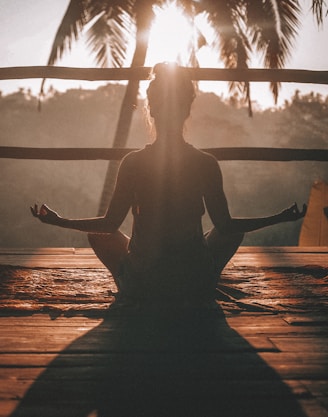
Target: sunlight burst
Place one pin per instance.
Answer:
(172, 36)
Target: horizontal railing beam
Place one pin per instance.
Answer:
(106, 154)
(142, 73)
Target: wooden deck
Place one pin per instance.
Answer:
(263, 353)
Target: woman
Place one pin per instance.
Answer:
(168, 185)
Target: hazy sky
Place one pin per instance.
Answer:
(28, 29)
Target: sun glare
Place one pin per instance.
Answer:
(171, 36)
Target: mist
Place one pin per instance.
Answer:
(87, 118)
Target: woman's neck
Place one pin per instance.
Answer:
(169, 133)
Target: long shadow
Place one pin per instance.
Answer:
(152, 365)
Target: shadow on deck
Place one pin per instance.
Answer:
(145, 365)
(262, 353)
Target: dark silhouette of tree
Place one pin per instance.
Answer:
(241, 26)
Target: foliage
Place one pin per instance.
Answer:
(87, 118)
(241, 27)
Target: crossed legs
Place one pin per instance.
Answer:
(112, 248)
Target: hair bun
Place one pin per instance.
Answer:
(171, 84)
(168, 71)
(164, 68)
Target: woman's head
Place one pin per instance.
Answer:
(170, 93)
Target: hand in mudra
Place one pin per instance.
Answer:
(293, 213)
(45, 214)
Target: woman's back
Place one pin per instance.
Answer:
(167, 252)
(168, 196)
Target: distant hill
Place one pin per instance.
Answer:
(87, 118)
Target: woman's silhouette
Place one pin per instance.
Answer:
(168, 185)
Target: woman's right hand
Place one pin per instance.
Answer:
(45, 214)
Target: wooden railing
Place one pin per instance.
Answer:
(142, 73)
(115, 154)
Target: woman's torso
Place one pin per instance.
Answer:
(168, 198)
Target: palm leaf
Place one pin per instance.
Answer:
(317, 10)
(274, 27)
(109, 36)
(228, 20)
(78, 14)
(71, 25)
(69, 29)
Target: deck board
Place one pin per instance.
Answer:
(85, 258)
(244, 362)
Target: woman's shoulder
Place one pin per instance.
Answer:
(135, 159)
(133, 156)
(202, 156)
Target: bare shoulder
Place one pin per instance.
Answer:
(207, 161)
(130, 159)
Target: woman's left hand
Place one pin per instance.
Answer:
(293, 213)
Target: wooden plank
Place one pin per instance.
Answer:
(222, 369)
(39, 251)
(309, 321)
(33, 344)
(115, 154)
(256, 364)
(42, 320)
(276, 260)
(45, 261)
(301, 344)
(313, 408)
(256, 393)
(44, 359)
(241, 249)
(282, 249)
(237, 376)
(286, 358)
(142, 73)
(85, 258)
(8, 406)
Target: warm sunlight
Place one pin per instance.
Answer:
(171, 38)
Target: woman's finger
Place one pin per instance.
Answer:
(43, 210)
(34, 212)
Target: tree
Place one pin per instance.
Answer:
(241, 26)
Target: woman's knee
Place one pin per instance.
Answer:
(218, 240)
(223, 246)
(110, 248)
(107, 242)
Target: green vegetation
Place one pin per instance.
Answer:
(80, 118)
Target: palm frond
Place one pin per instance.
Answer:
(71, 25)
(317, 10)
(220, 18)
(109, 36)
(228, 20)
(78, 14)
(274, 27)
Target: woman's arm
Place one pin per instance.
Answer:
(91, 225)
(291, 213)
(116, 213)
(217, 207)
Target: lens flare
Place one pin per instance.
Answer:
(172, 36)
